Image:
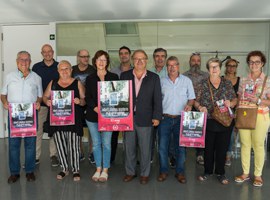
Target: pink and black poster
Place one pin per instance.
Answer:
(22, 118)
(192, 129)
(115, 108)
(62, 108)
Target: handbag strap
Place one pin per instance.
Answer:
(264, 82)
(211, 91)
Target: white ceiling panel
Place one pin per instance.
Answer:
(44, 11)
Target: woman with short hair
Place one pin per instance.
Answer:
(217, 137)
(101, 140)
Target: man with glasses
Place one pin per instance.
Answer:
(125, 65)
(196, 75)
(47, 70)
(147, 107)
(22, 86)
(80, 72)
(83, 68)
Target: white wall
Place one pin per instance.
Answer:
(23, 37)
(1, 80)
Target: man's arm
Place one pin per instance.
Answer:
(157, 107)
(4, 101)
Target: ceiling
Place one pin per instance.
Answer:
(44, 11)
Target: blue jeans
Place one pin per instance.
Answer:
(230, 148)
(166, 127)
(101, 145)
(14, 154)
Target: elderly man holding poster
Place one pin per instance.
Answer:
(177, 95)
(147, 109)
(22, 86)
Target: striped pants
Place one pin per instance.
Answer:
(68, 143)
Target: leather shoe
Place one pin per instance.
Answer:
(128, 178)
(13, 178)
(30, 177)
(181, 178)
(144, 180)
(162, 177)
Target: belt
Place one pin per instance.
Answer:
(171, 116)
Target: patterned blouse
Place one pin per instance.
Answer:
(246, 82)
(225, 91)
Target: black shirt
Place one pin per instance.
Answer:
(91, 97)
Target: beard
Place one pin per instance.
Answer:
(195, 68)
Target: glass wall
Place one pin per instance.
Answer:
(211, 39)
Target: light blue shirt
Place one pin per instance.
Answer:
(176, 95)
(22, 90)
(162, 73)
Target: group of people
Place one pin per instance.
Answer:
(160, 94)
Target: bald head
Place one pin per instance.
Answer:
(47, 53)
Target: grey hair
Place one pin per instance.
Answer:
(64, 62)
(172, 58)
(23, 52)
(213, 60)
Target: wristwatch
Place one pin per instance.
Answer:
(259, 101)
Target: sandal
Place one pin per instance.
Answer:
(223, 179)
(76, 177)
(96, 176)
(103, 177)
(61, 175)
(242, 178)
(258, 182)
(203, 177)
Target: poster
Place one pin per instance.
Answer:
(115, 108)
(192, 129)
(62, 108)
(22, 118)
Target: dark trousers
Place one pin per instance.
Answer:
(216, 146)
(114, 143)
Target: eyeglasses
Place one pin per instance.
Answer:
(231, 66)
(214, 67)
(254, 62)
(102, 60)
(139, 59)
(196, 54)
(64, 69)
(23, 60)
(84, 56)
(173, 65)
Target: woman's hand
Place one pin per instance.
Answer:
(227, 103)
(37, 105)
(202, 109)
(48, 103)
(96, 109)
(77, 101)
(252, 98)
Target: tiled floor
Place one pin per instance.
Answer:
(48, 188)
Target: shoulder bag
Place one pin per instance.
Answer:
(222, 117)
(246, 115)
